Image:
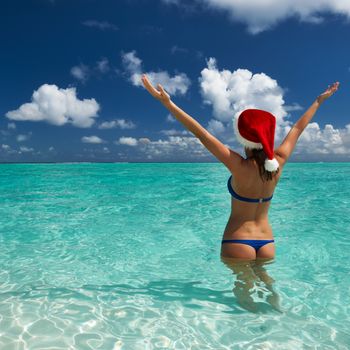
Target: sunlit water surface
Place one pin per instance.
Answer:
(127, 256)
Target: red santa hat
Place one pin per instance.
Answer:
(255, 129)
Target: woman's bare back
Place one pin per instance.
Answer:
(249, 220)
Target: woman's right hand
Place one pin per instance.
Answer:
(328, 93)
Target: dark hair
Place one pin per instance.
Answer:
(260, 157)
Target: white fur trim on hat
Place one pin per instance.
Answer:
(271, 164)
(246, 143)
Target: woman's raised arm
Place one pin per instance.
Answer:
(224, 154)
(287, 146)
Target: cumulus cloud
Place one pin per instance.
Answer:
(188, 147)
(128, 141)
(174, 147)
(11, 126)
(58, 107)
(101, 25)
(261, 15)
(231, 92)
(178, 84)
(327, 141)
(216, 127)
(91, 139)
(117, 123)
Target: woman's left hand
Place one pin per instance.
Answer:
(329, 92)
(160, 94)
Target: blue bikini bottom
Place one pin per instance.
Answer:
(255, 243)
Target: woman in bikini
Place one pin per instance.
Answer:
(248, 235)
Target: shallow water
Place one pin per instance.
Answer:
(127, 256)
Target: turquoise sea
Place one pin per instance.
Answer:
(127, 256)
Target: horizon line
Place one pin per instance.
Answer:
(146, 162)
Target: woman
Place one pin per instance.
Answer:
(248, 234)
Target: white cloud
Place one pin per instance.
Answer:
(102, 25)
(293, 107)
(260, 15)
(84, 72)
(128, 141)
(173, 147)
(329, 140)
(177, 84)
(51, 148)
(117, 123)
(11, 126)
(173, 132)
(8, 149)
(26, 149)
(103, 65)
(231, 92)
(144, 140)
(58, 107)
(131, 62)
(188, 147)
(216, 126)
(91, 139)
(80, 72)
(170, 118)
(22, 138)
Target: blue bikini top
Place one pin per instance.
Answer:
(245, 199)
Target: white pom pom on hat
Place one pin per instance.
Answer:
(255, 129)
(271, 164)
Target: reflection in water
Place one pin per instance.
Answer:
(252, 280)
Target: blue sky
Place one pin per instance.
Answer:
(70, 88)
